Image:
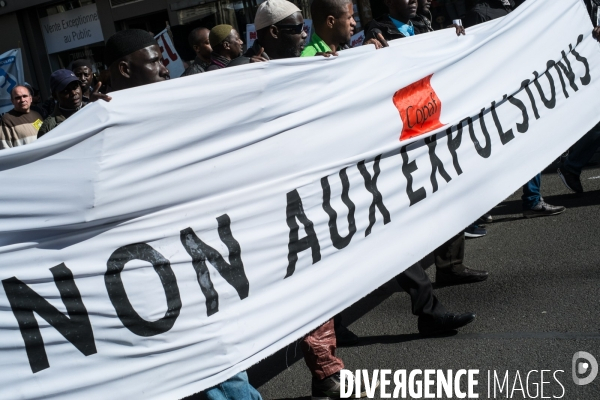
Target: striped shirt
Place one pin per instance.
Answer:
(19, 128)
(217, 62)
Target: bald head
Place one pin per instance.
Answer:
(198, 39)
(198, 35)
(20, 97)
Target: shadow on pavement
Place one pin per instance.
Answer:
(296, 398)
(394, 339)
(571, 200)
(198, 396)
(387, 339)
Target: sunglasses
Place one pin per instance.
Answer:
(295, 29)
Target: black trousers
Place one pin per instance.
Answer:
(450, 255)
(414, 281)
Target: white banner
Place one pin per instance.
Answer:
(156, 245)
(74, 28)
(171, 58)
(11, 74)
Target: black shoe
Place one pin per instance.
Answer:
(345, 337)
(571, 181)
(486, 219)
(448, 322)
(475, 231)
(467, 275)
(330, 388)
(325, 389)
(543, 209)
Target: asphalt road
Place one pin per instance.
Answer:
(540, 305)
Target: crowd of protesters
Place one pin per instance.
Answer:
(134, 58)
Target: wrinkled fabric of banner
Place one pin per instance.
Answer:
(156, 245)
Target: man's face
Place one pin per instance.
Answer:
(424, 6)
(21, 99)
(235, 44)
(402, 10)
(70, 97)
(344, 25)
(145, 66)
(291, 43)
(202, 46)
(84, 74)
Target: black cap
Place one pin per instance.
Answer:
(126, 42)
(61, 78)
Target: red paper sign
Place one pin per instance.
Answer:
(419, 108)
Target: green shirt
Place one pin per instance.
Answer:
(316, 45)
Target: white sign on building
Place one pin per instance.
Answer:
(74, 28)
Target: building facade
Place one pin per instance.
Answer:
(54, 33)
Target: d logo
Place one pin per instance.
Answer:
(580, 367)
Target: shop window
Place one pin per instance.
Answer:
(153, 23)
(207, 13)
(94, 53)
(63, 7)
(202, 15)
(236, 13)
(116, 3)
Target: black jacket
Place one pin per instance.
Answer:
(387, 28)
(487, 10)
(255, 50)
(422, 23)
(197, 67)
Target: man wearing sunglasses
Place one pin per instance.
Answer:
(279, 29)
(283, 41)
